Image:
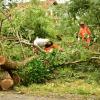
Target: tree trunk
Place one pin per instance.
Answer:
(13, 65)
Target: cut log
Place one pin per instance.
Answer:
(2, 60)
(6, 84)
(13, 65)
(6, 81)
(7, 64)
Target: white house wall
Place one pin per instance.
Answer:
(19, 1)
(6, 2)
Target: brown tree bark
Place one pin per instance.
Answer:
(13, 65)
(6, 84)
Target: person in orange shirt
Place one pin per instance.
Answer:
(85, 33)
(50, 46)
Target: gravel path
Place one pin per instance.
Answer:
(16, 96)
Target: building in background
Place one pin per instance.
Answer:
(45, 2)
(6, 3)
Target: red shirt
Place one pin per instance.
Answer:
(50, 49)
(83, 31)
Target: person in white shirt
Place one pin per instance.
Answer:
(39, 44)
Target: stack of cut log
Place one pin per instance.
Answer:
(7, 78)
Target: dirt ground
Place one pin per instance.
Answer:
(16, 96)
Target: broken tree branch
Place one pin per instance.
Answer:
(1, 25)
(93, 59)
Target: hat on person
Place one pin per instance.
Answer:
(81, 23)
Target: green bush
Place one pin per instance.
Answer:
(36, 23)
(44, 68)
(38, 70)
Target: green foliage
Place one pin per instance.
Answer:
(44, 68)
(36, 23)
(77, 7)
(32, 22)
(14, 51)
(38, 70)
(29, 23)
(86, 10)
(35, 2)
(35, 72)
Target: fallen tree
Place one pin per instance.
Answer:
(8, 79)
(13, 65)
